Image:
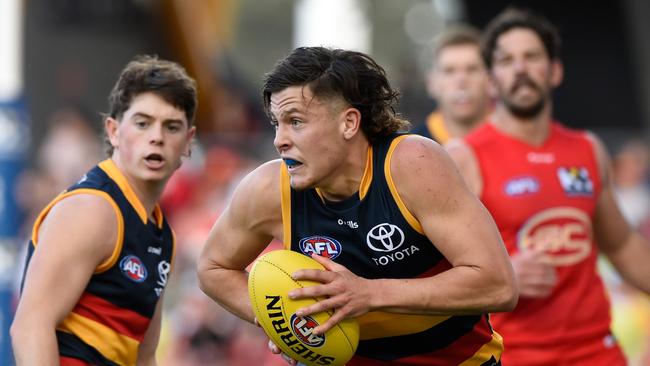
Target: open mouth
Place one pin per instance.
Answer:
(154, 160)
(291, 163)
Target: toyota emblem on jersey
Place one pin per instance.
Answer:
(385, 237)
(321, 245)
(133, 268)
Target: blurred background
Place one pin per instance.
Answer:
(60, 59)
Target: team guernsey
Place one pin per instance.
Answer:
(374, 235)
(564, 171)
(433, 128)
(108, 323)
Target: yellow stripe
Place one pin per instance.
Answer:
(378, 324)
(493, 348)
(415, 224)
(437, 129)
(115, 174)
(285, 199)
(108, 263)
(367, 175)
(116, 347)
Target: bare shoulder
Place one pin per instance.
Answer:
(85, 224)
(263, 183)
(602, 156)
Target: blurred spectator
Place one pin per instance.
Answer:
(630, 308)
(71, 147)
(630, 174)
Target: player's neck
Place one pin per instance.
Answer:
(457, 128)
(148, 193)
(346, 180)
(533, 130)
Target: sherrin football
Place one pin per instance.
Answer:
(269, 283)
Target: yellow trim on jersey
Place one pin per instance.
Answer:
(437, 128)
(367, 175)
(415, 224)
(285, 203)
(108, 263)
(492, 348)
(379, 324)
(117, 347)
(109, 167)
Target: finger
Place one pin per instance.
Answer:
(310, 292)
(330, 323)
(289, 360)
(329, 264)
(273, 348)
(317, 275)
(320, 306)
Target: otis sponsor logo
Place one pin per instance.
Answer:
(288, 337)
(133, 268)
(303, 328)
(563, 234)
(388, 238)
(321, 245)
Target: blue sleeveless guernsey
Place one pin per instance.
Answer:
(374, 235)
(108, 323)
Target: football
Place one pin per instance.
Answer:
(269, 283)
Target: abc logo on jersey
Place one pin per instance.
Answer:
(321, 245)
(303, 327)
(133, 268)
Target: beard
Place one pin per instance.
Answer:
(527, 111)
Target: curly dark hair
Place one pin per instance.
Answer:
(513, 17)
(146, 73)
(351, 75)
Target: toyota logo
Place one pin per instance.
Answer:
(385, 237)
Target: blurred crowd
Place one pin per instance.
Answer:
(196, 331)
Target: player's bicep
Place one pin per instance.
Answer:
(244, 228)
(77, 235)
(451, 216)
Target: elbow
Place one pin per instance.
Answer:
(506, 296)
(18, 332)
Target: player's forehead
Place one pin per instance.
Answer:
(455, 55)
(517, 40)
(295, 99)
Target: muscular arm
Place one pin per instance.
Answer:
(628, 251)
(240, 234)
(77, 235)
(481, 278)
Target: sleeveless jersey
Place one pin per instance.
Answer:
(433, 128)
(374, 235)
(108, 323)
(544, 198)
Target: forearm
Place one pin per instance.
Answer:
(631, 261)
(460, 290)
(229, 288)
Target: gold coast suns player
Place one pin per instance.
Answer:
(548, 189)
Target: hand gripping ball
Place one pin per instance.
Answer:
(269, 283)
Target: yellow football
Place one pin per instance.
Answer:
(269, 283)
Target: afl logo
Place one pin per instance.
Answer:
(385, 237)
(321, 245)
(133, 268)
(303, 327)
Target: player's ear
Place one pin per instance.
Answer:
(111, 125)
(351, 122)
